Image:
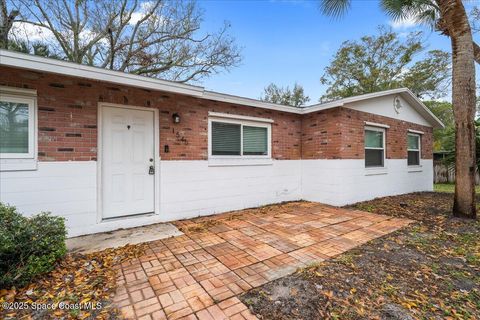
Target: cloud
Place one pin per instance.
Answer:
(403, 23)
(138, 15)
(29, 32)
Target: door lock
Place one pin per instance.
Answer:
(151, 170)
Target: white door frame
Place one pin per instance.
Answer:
(156, 142)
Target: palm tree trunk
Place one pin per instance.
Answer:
(463, 99)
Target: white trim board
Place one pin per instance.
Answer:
(416, 131)
(374, 124)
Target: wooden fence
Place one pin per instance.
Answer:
(444, 174)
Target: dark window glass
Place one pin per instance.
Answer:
(413, 150)
(413, 158)
(373, 158)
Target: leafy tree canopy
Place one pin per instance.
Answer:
(36, 48)
(294, 97)
(385, 61)
(443, 137)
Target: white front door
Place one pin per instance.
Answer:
(128, 184)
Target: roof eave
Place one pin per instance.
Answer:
(32, 62)
(222, 97)
(422, 108)
(405, 92)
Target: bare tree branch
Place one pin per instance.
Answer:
(153, 38)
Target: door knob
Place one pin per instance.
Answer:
(151, 170)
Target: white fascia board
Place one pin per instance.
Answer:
(222, 97)
(36, 63)
(238, 117)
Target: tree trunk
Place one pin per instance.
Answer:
(5, 24)
(464, 105)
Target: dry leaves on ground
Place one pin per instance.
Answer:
(85, 280)
(428, 270)
(207, 223)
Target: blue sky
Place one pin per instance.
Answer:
(291, 41)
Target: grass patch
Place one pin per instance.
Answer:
(449, 187)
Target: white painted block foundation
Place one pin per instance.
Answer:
(193, 188)
(341, 182)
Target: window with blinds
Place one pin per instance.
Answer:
(226, 139)
(255, 141)
(238, 139)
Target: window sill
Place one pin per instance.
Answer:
(229, 162)
(418, 168)
(18, 164)
(376, 171)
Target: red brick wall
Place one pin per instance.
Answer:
(67, 117)
(67, 122)
(322, 135)
(339, 134)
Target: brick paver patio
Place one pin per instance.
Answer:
(199, 274)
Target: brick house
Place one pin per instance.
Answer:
(110, 150)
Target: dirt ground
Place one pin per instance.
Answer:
(429, 270)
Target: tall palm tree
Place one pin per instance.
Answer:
(449, 18)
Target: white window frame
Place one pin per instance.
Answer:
(419, 136)
(242, 123)
(377, 129)
(27, 97)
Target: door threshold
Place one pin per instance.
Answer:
(130, 216)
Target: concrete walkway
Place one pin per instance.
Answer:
(199, 274)
(119, 238)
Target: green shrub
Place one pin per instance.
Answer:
(28, 246)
